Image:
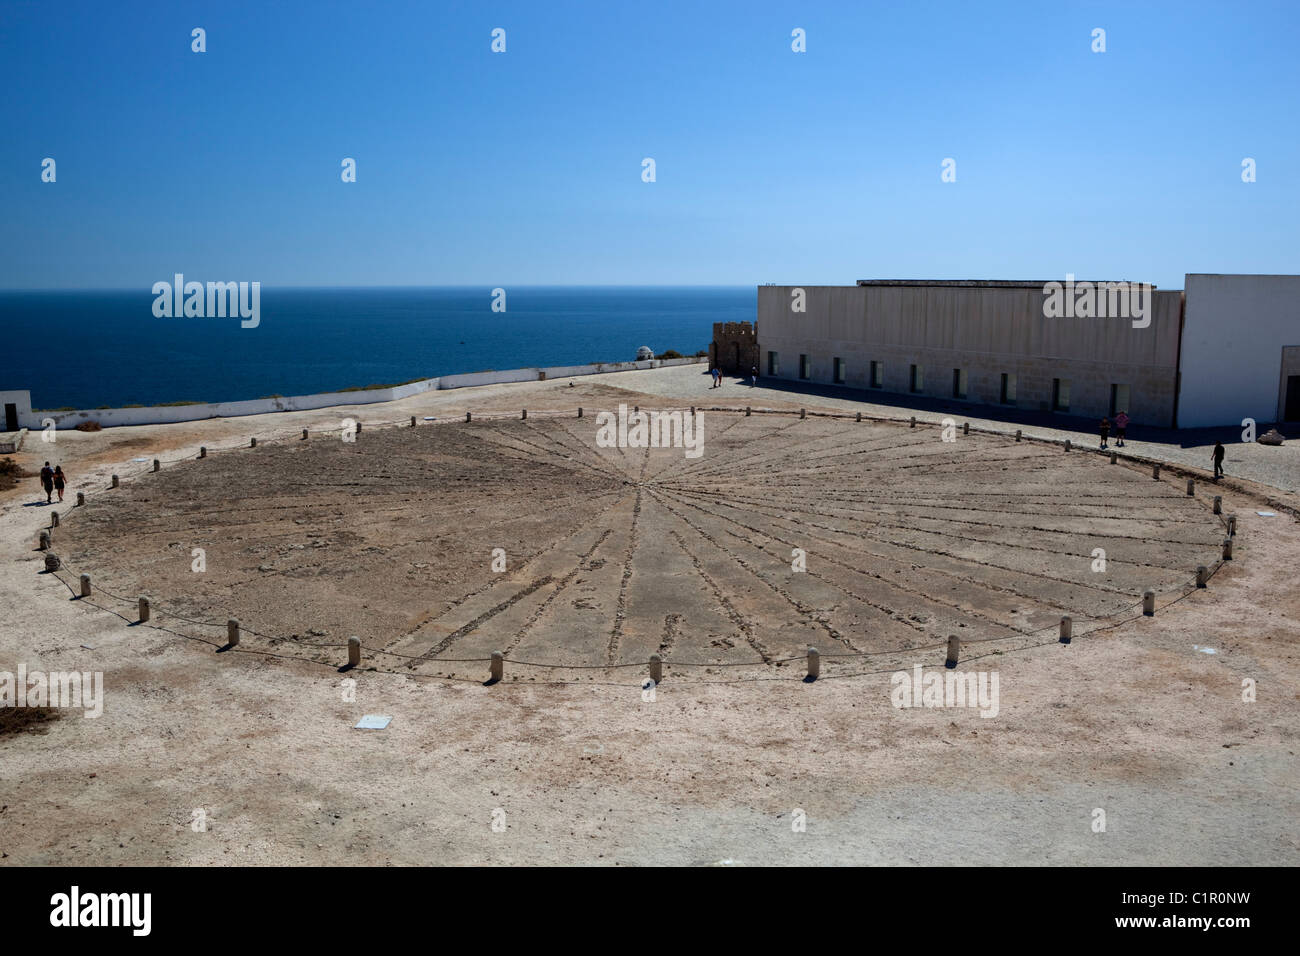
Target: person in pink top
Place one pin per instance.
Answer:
(1121, 426)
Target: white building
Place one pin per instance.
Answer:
(17, 410)
(1240, 351)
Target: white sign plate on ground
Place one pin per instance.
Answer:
(372, 722)
(1266, 514)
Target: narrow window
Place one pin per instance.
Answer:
(839, 371)
(773, 364)
(1118, 399)
(1008, 393)
(877, 375)
(917, 379)
(1060, 395)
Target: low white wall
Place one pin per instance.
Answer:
(558, 371)
(166, 415)
(488, 378)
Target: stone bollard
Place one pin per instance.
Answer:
(803, 413)
(580, 412)
(1227, 549)
(965, 428)
(358, 431)
(203, 451)
(814, 664)
(656, 669)
(692, 411)
(412, 421)
(525, 414)
(1067, 444)
(54, 519)
(1155, 471)
(354, 652)
(52, 562)
(1148, 602)
(636, 409)
(859, 416)
(115, 482)
(1202, 575)
(304, 434)
(954, 650)
(1114, 457)
(748, 410)
(1191, 486)
(1067, 629)
(913, 425)
(81, 498)
(45, 541)
(156, 464)
(467, 416)
(85, 585)
(1218, 504)
(498, 668)
(1232, 524)
(252, 443)
(1017, 434)
(144, 610)
(232, 632)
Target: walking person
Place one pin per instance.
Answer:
(753, 376)
(1218, 460)
(47, 482)
(1105, 430)
(1121, 426)
(60, 481)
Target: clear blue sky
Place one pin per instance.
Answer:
(525, 167)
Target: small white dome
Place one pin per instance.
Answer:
(644, 352)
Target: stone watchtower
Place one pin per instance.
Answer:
(734, 348)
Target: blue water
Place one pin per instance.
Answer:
(93, 349)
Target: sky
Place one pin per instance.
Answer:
(526, 167)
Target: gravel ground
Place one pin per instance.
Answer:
(1135, 720)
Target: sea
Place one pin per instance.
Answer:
(84, 349)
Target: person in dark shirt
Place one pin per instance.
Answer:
(1218, 460)
(60, 480)
(47, 482)
(1105, 431)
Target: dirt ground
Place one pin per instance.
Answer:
(612, 555)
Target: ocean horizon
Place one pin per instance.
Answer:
(89, 349)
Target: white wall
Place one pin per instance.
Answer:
(162, 415)
(986, 330)
(473, 379)
(1235, 329)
